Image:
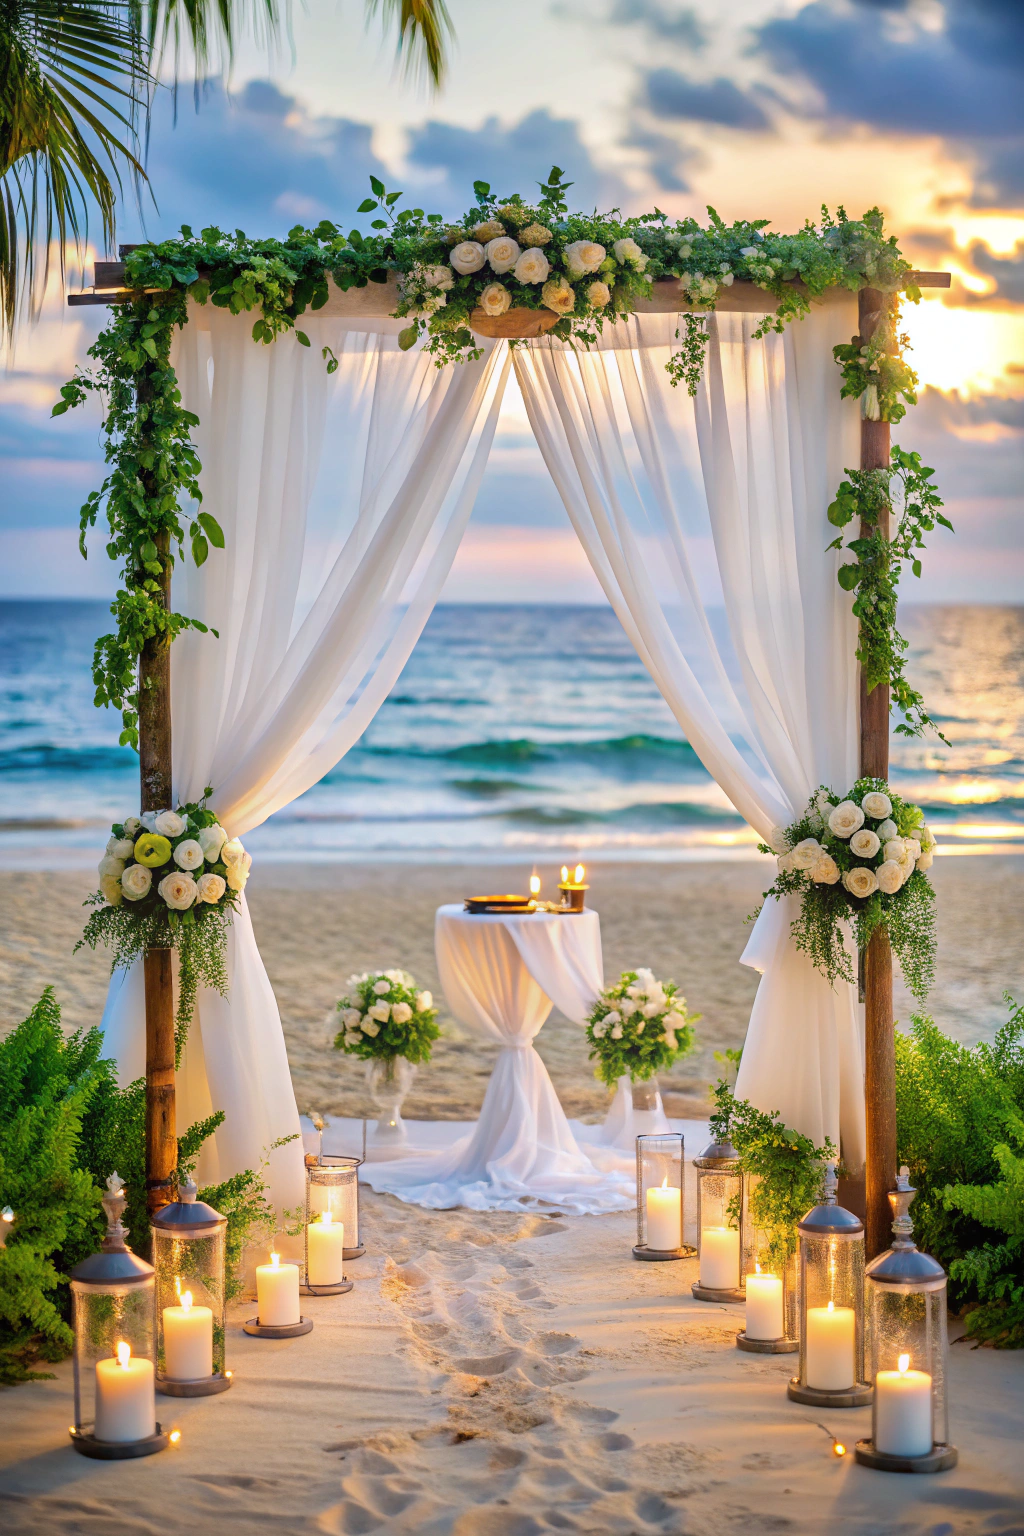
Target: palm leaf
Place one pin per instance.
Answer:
(424, 31)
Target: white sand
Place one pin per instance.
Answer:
(502, 1375)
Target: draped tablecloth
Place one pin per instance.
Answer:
(501, 974)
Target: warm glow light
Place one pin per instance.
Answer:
(565, 871)
(275, 1259)
(535, 885)
(664, 1182)
(831, 1306)
(904, 1363)
(326, 1219)
(124, 1354)
(580, 872)
(838, 1448)
(174, 1436)
(177, 1286)
(186, 1301)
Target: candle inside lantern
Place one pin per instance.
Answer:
(831, 1340)
(188, 1339)
(720, 1258)
(903, 1411)
(664, 1218)
(277, 1293)
(764, 1319)
(325, 1251)
(125, 1398)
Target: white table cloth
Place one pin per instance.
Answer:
(501, 974)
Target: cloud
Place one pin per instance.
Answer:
(661, 23)
(668, 94)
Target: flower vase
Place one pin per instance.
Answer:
(389, 1079)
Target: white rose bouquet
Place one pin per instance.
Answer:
(384, 1014)
(862, 858)
(638, 1027)
(170, 880)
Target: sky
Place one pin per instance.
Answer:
(763, 108)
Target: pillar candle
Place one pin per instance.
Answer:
(720, 1258)
(831, 1335)
(903, 1411)
(764, 1307)
(125, 1398)
(277, 1293)
(188, 1341)
(664, 1218)
(325, 1251)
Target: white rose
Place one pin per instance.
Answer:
(232, 852)
(651, 1010)
(889, 876)
(178, 890)
(350, 1017)
(468, 256)
(670, 1039)
(382, 988)
(627, 250)
(401, 1013)
(845, 819)
(786, 865)
(896, 850)
(613, 1017)
(926, 837)
(617, 1032)
(685, 248)
(806, 853)
(822, 803)
(502, 253)
(111, 868)
(381, 1011)
(490, 229)
(826, 871)
(238, 872)
(926, 859)
(750, 250)
(532, 267)
(435, 277)
(865, 843)
(876, 804)
(887, 830)
(424, 1000)
(599, 295)
(779, 842)
(495, 299)
(645, 977)
(913, 847)
(169, 824)
(211, 887)
(148, 820)
(370, 1028)
(132, 827)
(110, 886)
(557, 294)
(211, 840)
(136, 881)
(641, 1026)
(353, 1037)
(189, 854)
(120, 847)
(708, 288)
(860, 881)
(584, 256)
(600, 1030)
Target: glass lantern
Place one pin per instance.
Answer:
(660, 1198)
(332, 1199)
(114, 1360)
(908, 1352)
(769, 1286)
(830, 1290)
(189, 1251)
(720, 1224)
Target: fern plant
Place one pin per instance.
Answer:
(995, 1270)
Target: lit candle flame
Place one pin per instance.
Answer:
(565, 871)
(326, 1219)
(664, 1182)
(580, 872)
(831, 1306)
(124, 1354)
(904, 1362)
(757, 1267)
(535, 885)
(186, 1301)
(275, 1259)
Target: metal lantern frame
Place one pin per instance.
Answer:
(830, 1272)
(112, 1294)
(332, 1183)
(190, 1254)
(720, 1182)
(660, 1163)
(905, 1301)
(752, 1248)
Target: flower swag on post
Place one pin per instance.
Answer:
(170, 880)
(863, 858)
(638, 1027)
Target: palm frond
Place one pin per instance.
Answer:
(424, 32)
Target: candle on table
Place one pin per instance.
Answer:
(534, 888)
(903, 1411)
(125, 1398)
(764, 1318)
(325, 1251)
(664, 1220)
(277, 1293)
(188, 1340)
(831, 1335)
(720, 1258)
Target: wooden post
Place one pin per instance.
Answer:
(879, 1036)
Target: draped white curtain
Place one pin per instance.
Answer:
(704, 522)
(300, 666)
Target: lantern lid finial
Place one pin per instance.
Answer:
(115, 1264)
(114, 1202)
(831, 1185)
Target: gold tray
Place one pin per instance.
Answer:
(498, 904)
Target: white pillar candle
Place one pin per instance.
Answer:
(720, 1258)
(188, 1341)
(325, 1251)
(664, 1218)
(277, 1293)
(903, 1411)
(764, 1307)
(831, 1336)
(125, 1398)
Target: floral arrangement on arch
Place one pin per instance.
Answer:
(638, 1027)
(170, 880)
(863, 858)
(384, 1014)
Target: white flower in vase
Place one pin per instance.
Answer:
(896, 850)
(169, 824)
(613, 1016)
(382, 987)
(926, 860)
(370, 1027)
(876, 804)
(865, 843)
(424, 1000)
(179, 891)
(401, 1013)
(845, 819)
(211, 887)
(826, 871)
(617, 1032)
(188, 854)
(887, 830)
(136, 881)
(380, 1011)
(806, 853)
(889, 876)
(861, 881)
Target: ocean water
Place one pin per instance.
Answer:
(525, 733)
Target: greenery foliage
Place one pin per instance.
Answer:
(639, 1027)
(384, 1014)
(960, 1125)
(785, 1169)
(881, 881)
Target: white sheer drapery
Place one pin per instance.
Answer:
(660, 495)
(265, 710)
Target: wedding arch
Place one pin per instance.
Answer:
(409, 336)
